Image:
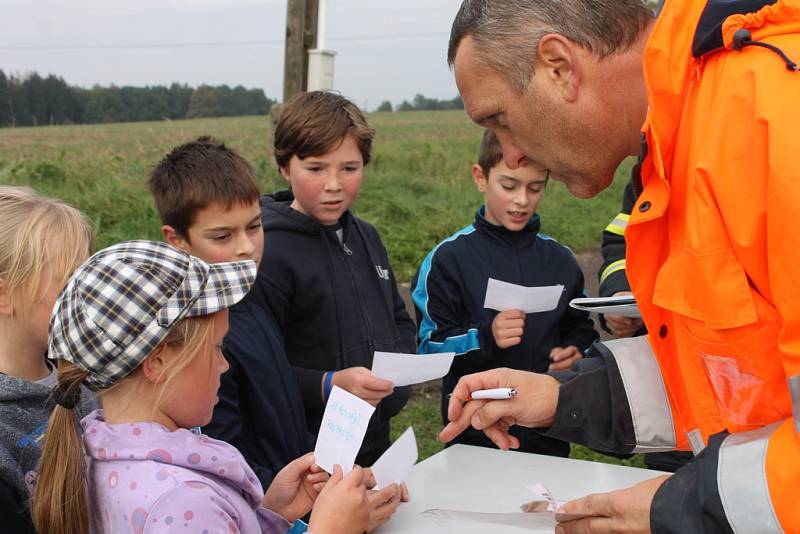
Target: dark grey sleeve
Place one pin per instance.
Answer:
(689, 501)
(592, 405)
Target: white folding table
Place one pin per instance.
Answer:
(477, 479)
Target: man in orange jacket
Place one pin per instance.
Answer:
(708, 95)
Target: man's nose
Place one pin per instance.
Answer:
(513, 157)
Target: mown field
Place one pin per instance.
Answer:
(417, 190)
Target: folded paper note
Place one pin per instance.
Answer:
(394, 465)
(342, 430)
(502, 296)
(407, 369)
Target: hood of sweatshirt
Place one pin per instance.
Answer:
(148, 441)
(13, 389)
(277, 214)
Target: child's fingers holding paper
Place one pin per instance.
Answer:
(382, 505)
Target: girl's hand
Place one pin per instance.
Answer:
(382, 504)
(295, 488)
(342, 506)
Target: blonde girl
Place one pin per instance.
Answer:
(42, 240)
(142, 324)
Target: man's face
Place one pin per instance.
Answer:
(574, 140)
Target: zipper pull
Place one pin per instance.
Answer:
(346, 249)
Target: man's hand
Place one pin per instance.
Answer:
(623, 326)
(564, 357)
(625, 510)
(534, 405)
(360, 382)
(507, 328)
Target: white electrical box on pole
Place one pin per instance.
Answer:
(320, 60)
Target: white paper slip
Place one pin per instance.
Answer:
(623, 305)
(342, 430)
(394, 464)
(530, 520)
(502, 296)
(535, 514)
(407, 369)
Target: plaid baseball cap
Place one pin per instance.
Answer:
(121, 304)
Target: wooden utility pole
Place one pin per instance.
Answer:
(301, 35)
(312, 17)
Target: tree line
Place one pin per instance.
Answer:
(32, 100)
(422, 103)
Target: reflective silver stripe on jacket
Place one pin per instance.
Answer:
(647, 395)
(742, 482)
(696, 441)
(794, 391)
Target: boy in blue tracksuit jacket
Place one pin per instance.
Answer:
(503, 243)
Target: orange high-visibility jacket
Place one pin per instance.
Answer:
(714, 246)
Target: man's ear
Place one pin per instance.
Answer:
(559, 63)
(479, 177)
(155, 365)
(6, 307)
(172, 237)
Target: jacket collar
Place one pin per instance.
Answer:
(502, 235)
(277, 213)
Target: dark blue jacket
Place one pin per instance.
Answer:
(335, 302)
(260, 411)
(449, 291)
(14, 512)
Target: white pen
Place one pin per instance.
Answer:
(494, 394)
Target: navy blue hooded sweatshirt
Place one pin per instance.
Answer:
(336, 302)
(449, 291)
(260, 411)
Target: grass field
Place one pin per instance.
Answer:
(418, 190)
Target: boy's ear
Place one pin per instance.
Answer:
(6, 307)
(155, 364)
(285, 173)
(172, 237)
(559, 63)
(479, 177)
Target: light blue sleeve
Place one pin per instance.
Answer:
(299, 527)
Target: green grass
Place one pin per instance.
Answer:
(418, 188)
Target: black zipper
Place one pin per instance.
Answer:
(354, 286)
(525, 340)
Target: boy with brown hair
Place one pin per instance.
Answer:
(207, 198)
(503, 243)
(326, 276)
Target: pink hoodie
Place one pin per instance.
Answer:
(145, 479)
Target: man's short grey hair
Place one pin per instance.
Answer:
(507, 32)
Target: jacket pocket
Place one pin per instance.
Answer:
(709, 287)
(743, 368)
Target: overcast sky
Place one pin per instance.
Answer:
(386, 49)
